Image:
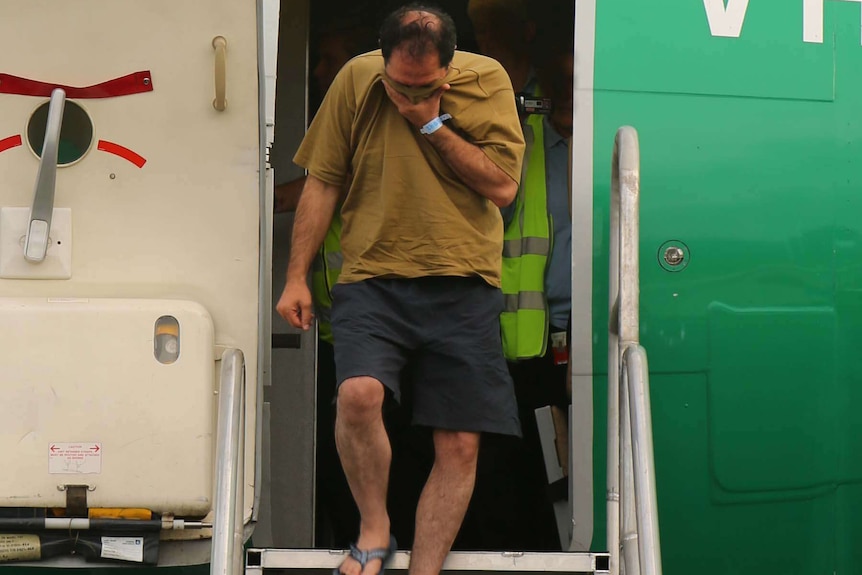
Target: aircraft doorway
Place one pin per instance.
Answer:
(309, 502)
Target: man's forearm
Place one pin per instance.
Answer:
(469, 162)
(313, 216)
(473, 167)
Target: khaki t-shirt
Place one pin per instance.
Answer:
(406, 213)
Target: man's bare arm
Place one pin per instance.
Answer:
(467, 160)
(316, 206)
(313, 216)
(473, 167)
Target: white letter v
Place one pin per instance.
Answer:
(725, 21)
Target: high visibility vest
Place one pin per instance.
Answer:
(527, 245)
(324, 275)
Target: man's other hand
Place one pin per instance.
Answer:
(295, 305)
(419, 113)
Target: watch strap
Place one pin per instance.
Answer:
(434, 124)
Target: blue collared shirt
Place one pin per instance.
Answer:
(558, 278)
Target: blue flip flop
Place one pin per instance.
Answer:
(363, 557)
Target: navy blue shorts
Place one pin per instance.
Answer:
(443, 334)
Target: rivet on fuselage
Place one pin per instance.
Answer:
(674, 255)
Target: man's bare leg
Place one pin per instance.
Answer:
(365, 453)
(444, 499)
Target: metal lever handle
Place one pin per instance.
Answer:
(220, 45)
(39, 226)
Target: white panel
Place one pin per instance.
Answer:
(86, 402)
(581, 355)
(185, 224)
(270, 60)
(548, 439)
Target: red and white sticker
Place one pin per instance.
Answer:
(76, 458)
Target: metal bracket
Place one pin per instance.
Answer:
(76, 500)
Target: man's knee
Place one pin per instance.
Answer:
(360, 399)
(456, 447)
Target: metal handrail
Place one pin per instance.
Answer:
(639, 525)
(639, 492)
(227, 541)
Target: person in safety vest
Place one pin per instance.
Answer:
(430, 141)
(337, 515)
(513, 507)
(505, 31)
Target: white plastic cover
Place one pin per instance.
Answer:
(85, 402)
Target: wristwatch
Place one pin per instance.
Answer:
(434, 124)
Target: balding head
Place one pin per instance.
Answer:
(419, 31)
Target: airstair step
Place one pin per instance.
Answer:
(308, 560)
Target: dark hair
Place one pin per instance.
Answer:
(419, 37)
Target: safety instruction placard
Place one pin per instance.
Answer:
(20, 548)
(80, 458)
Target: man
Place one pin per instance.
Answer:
(421, 242)
(537, 272)
(505, 31)
(536, 282)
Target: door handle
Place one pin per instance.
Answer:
(39, 226)
(220, 45)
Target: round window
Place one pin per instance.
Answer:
(76, 133)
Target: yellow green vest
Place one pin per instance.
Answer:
(526, 251)
(325, 272)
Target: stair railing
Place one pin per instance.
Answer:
(227, 541)
(632, 532)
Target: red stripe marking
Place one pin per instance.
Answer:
(10, 142)
(123, 152)
(135, 83)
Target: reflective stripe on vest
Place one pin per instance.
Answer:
(327, 268)
(526, 252)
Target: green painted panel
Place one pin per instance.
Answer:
(752, 164)
(768, 60)
(849, 528)
(702, 536)
(772, 408)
